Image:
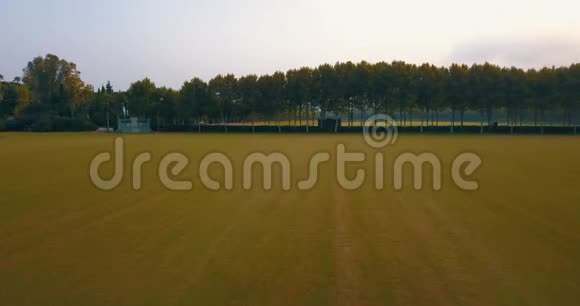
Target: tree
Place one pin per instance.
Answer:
(361, 88)
(516, 91)
(194, 102)
(427, 90)
(8, 99)
(249, 97)
(327, 89)
(569, 92)
(347, 90)
(401, 88)
(13, 98)
(52, 87)
(271, 96)
(543, 88)
(458, 92)
(57, 83)
(24, 99)
(165, 104)
(223, 91)
(441, 101)
(278, 94)
(108, 101)
(78, 93)
(141, 98)
(1, 96)
(379, 86)
(298, 92)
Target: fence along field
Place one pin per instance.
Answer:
(514, 241)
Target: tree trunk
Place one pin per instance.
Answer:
(224, 122)
(307, 119)
(453, 117)
(481, 121)
(349, 117)
(401, 114)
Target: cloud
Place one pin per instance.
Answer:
(525, 53)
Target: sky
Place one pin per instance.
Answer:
(172, 41)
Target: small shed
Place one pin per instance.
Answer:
(134, 125)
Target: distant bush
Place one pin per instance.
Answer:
(42, 123)
(15, 125)
(46, 122)
(63, 124)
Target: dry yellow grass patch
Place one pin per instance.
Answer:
(516, 241)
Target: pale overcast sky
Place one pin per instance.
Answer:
(172, 41)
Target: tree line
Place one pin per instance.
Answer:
(51, 95)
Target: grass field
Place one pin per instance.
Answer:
(515, 241)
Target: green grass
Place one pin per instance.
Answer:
(516, 241)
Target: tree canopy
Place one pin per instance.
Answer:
(51, 87)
